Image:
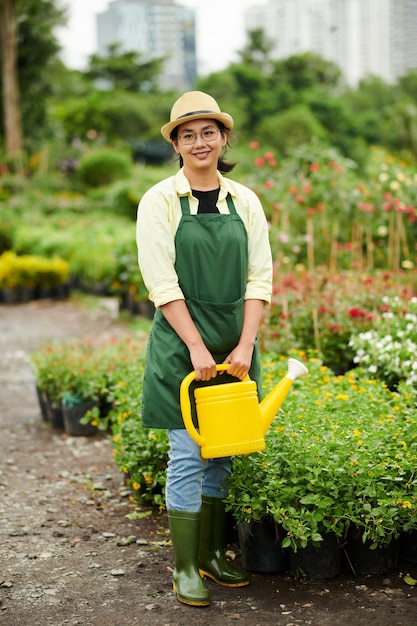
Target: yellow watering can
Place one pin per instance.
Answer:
(230, 418)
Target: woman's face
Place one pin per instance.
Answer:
(199, 143)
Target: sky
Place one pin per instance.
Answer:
(216, 45)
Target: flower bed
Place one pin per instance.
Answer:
(388, 350)
(110, 375)
(342, 452)
(26, 277)
(323, 311)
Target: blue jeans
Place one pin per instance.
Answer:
(189, 475)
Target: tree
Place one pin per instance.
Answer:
(38, 50)
(10, 85)
(125, 70)
(28, 47)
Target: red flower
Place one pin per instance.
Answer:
(259, 161)
(254, 145)
(314, 167)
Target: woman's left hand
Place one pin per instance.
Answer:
(239, 361)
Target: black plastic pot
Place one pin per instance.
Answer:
(260, 545)
(408, 547)
(72, 415)
(365, 562)
(317, 563)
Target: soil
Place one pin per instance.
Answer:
(70, 556)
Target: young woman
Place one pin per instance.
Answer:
(205, 258)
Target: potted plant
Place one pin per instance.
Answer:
(330, 463)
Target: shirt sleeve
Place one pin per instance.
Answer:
(259, 285)
(155, 234)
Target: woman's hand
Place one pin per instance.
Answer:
(177, 315)
(203, 363)
(239, 360)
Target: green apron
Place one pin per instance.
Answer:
(212, 268)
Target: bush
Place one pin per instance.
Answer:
(104, 167)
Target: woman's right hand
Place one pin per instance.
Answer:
(177, 315)
(203, 363)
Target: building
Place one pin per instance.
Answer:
(154, 29)
(361, 36)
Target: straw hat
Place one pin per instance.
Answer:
(195, 105)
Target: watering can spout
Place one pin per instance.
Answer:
(271, 404)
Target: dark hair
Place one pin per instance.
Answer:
(222, 165)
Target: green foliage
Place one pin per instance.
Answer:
(115, 115)
(341, 452)
(125, 70)
(102, 167)
(388, 349)
(37, 50)
(285, 131)
(32, 271)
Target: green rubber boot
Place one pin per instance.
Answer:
(213, 562)
(189, 587)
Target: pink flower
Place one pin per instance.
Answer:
(254, 145)
(259, 161)
(314, 167)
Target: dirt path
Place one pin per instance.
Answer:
(69, 555)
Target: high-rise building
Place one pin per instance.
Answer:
(154, 29)
(361, 36)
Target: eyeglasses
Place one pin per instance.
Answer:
(187, 138)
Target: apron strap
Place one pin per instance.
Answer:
(185, 205)
(231, 205)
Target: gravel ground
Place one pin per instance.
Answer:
(70, 556)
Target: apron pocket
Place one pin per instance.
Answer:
(219, 324)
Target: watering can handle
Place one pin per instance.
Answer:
(186, 404)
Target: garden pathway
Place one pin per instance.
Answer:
(70, 556)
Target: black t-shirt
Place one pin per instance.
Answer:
(207, 200)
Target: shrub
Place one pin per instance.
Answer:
(104, 167)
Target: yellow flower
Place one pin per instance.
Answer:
(342, 396)
(356, 433)
(136, 486)
(116, 438)
(406, 504)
